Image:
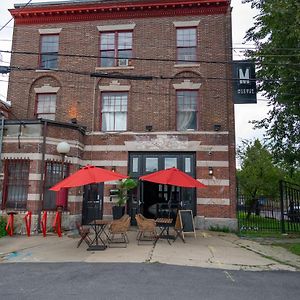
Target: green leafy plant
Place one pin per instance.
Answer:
(123, 187)
(2, 227)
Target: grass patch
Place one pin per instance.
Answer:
(269, 234)
(292, 247)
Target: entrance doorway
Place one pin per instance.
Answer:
(159, 200)
(92, 207)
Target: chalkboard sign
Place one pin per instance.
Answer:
(185, 223)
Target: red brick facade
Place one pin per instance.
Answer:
(150, 102)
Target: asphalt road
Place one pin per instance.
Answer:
(141, 281)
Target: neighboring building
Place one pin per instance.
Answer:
(161, 97)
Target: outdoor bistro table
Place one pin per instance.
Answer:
(99, 229)
(164, 226)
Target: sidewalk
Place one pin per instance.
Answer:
(208, 250)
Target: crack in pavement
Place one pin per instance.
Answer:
(150, 255)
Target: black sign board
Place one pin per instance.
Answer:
(185, 223)
(244, 83)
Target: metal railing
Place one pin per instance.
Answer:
(290, 206)
(269, 214)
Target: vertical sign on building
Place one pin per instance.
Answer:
(244, 83)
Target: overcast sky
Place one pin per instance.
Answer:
(242, 19)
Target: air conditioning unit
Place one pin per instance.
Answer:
(123, 62)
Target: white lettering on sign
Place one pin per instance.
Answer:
(244, 77)
(245, 91)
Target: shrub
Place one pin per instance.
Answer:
(2, 226)
(220, 229)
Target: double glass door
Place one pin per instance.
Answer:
(159, 200)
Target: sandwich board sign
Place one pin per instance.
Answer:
(185, 223)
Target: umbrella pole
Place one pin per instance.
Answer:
(169, 190)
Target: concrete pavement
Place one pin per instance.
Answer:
(208, 250)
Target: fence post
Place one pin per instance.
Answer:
(281, 206)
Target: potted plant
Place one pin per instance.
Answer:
(121, 196)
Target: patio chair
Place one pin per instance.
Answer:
(146, 229)
(118, 231)
(84, 232)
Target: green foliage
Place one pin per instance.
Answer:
(2, 226)
(293, 177)
(258, 175)
(123, 187)
(219, 228)
(276, 34)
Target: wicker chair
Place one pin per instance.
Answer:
(146, 229)
(118, 231)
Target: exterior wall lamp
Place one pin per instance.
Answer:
(149, 128)
(210, 171)
(63, 148)
(217, 127)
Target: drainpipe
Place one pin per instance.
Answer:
(1, 138)
(1, 141)
(42, 172)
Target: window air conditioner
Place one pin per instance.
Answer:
(123, 62)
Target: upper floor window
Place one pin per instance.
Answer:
(49, 51)
(114, 111)
(115, 48)
(187, 110)
(46, 106)
(186, 45)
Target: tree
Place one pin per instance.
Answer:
(276, 34)
(258, 175)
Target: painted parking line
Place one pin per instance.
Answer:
(214, 260)
(228, 275)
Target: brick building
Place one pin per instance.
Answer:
(135, 86)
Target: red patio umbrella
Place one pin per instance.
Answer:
(87, 175)
(173, 176)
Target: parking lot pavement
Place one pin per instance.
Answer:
(209, 250)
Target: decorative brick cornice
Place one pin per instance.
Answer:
(62, 13)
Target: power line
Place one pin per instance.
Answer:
(250, 47)
(90, 85)
(148, 77)
(144, 59)
(13, 17)
(131, 92)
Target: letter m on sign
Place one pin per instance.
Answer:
(244, 77)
